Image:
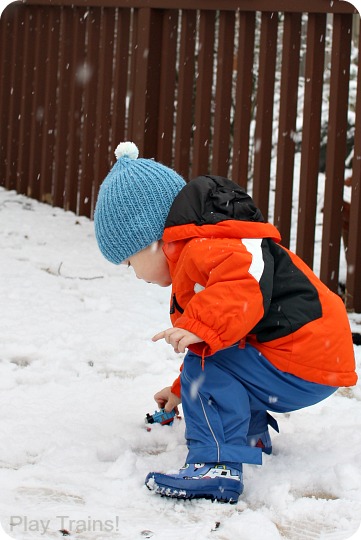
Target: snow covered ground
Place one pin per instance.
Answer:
(78, 372)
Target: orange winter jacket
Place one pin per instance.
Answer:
(233, 282)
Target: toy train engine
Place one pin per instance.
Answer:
(160, 417)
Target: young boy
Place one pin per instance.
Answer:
(262, 332)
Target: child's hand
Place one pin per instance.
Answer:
(167, 400)
(178, 338)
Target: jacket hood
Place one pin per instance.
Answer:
(213, 206)
(211, 199)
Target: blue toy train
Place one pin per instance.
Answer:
(160, 417)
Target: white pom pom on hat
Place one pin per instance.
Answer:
(126, 149)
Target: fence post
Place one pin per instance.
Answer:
(265, 97)
(315, 57)
(103, 106)
(204, 77)
(220, 161)
(120, 79)
(167, 87)
(336, 149)
(287, 124)
(353, 282)
(243, 105)
(79, 75)
(185, 93)
(62, 108)
(144, 109)
(51, 81)
(91, 97)
(11, 69)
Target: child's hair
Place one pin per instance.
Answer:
(133, 203)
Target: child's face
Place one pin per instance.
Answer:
(151, 265)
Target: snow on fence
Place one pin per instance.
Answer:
(248, 89)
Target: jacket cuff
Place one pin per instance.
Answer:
(176, 387)
(209, 336)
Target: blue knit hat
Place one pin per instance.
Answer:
(133, 203)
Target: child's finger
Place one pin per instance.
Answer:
(157, 337)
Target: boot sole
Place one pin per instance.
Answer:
(220, 489)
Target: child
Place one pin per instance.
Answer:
(262, 332)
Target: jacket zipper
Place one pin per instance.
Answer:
(175, 306)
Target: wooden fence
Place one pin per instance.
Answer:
(223, 87)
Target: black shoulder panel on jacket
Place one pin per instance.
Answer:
(211, 199)
(294, 299)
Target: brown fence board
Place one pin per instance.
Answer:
(184, 122)
(5, 67)
(78, 74)
(336, 149)
(120, 78)
(26, 112)
(353, 293)
(6, 35)
(287, 124)
(51, 82)
(37, 102)
(265, 97)
(63, 100)
(103, 107)
(315, 58)
(223, 98)
(203, 103)
(134, 83)
(146, 86)
(11, 92)
(243, 105)
(154, 62)
(167, 87)
(89, 148)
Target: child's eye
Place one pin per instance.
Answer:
(128, 264)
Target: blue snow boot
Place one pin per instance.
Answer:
(215, 481)
(263, 439)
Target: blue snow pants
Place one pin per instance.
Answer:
(228, 400)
